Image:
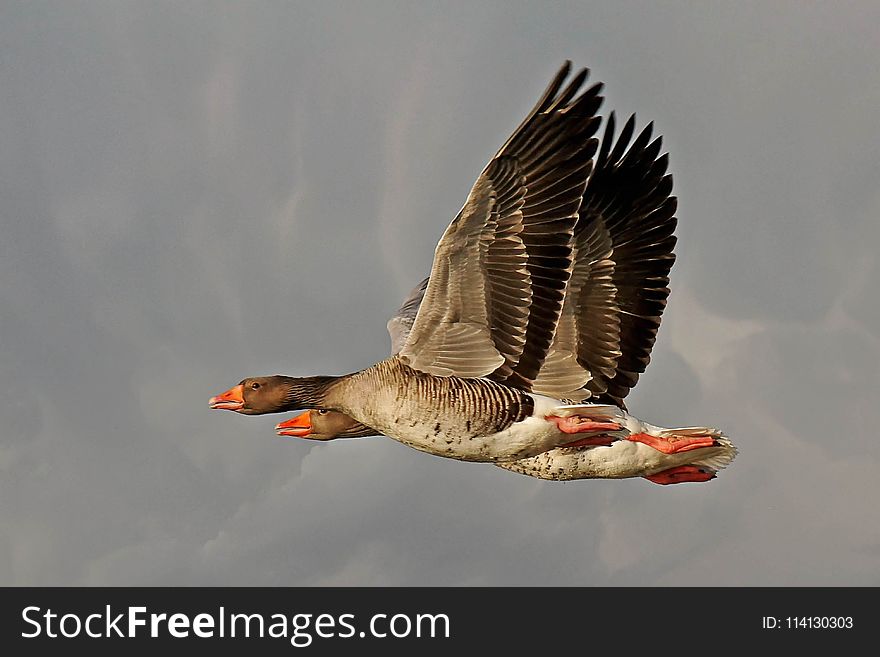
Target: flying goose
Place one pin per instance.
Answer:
(621, 459)
(495, 340)
(635, 456)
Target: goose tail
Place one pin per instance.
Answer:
(718, 456)
(708, 447)
(705, 448)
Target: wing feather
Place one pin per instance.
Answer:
(623, 252)
(500, 270)
(619, 256)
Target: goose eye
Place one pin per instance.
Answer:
(255, 386)
(322, 411)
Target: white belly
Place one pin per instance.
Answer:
(435, 435)
(521, 440)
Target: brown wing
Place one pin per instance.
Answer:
(501, 268)
(619, 284)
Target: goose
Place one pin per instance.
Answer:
(497, 352)
(622, 459)
(634, 456)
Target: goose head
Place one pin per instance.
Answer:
(323, 424)
(272, 394)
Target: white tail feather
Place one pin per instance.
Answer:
(716, 457)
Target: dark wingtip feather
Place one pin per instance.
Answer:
(623, 139)
(570, 91)
(629, 194)
(607, 140)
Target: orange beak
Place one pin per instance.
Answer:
(298, 426)
(231, 400)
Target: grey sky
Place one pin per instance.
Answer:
(195, 192)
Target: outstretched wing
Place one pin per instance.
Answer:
(623, 246)
(500, 270)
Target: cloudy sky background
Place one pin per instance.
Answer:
(195, 192)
